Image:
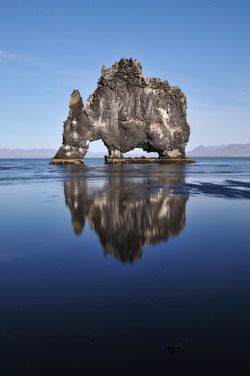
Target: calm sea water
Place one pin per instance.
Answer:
(125, 270)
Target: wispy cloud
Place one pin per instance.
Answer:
(4, 55)
(31, 60)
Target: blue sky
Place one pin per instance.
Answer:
(49, 48)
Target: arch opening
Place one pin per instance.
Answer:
(139, 152)
(97, 149)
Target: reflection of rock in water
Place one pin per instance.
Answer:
(76, 198)
(127, 216)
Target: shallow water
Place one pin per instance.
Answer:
(125, 270)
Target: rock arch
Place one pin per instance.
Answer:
(127, 111)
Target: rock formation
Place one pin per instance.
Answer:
(127, 111)
(127, 215)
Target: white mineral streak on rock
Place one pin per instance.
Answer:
(75, 135)
(116, 154)
(174, 153)
(165, 117)
(154, 128)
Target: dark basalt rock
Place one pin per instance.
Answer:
(144, 160)
(127, 111)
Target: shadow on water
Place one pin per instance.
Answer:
(128, 209)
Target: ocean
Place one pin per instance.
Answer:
(125, 270)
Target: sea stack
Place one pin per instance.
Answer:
(127, 111)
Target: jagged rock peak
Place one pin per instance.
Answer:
(75, 105)
(123, 67)
(127, 110)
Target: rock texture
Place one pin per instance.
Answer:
(143, 160)
(127, 111)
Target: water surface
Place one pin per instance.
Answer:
(125, 270)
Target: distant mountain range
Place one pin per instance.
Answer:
(38, 153)
(26, 153)
(227, 150)
(49, 153)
